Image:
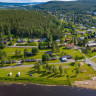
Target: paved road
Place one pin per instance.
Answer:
(88, 61)
(21, 46)
(17, 66)
(69, 61)
(20, 65)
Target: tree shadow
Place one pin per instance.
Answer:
(44, 74)
(73, 76)
(72, 64)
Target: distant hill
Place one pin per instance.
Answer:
(17, 5)
(61, 5)
(78, 6)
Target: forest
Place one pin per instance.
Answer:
(29, 24)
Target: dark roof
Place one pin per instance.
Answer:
(48, 52)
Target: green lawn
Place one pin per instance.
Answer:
(72, 52)
(45, 77)
(94, 59)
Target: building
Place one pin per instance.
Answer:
(70, 46)
(67, 39)
(91, 45)
(58, 40)
(94, 50)
(5, 42)
(53, 58)
(67, 57)
(21, 40)
(63, 59)
(13, 61)
(30, 60)
(32, 40)
(81, 38)
(49, 53)
(42, 39)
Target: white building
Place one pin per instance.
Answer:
(63, 59)
(32, 40)
(21, 40)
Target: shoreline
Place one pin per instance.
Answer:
(4, 83)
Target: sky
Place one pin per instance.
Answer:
(23, 1)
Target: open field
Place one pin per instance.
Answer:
(72, 52)
(85, 73)
(94, 59)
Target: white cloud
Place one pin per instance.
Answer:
(31, 0)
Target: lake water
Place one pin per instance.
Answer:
(37, 90)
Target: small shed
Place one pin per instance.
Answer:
(10, 74)
(18, 74)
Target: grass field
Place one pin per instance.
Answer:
(72, 52)
(94, 59)
(46, 78)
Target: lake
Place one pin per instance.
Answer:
(38, 90)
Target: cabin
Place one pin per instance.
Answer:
(91, 45)
(13, 61)
(58, 40)
(53, 58)
(89, 31)
(67, 33)
(49, 53)
(21, 40)
(67, 39)
(5, 42)
(81, 38)
(70, 46)
(94, 50)
(67, 57)
(10, 39)
(18, 74)
(30, 60)
(32, 40)
(63, 59)
(42, 39)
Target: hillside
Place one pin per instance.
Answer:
(72, 5)
(28, 23)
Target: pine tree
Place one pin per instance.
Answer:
(9, 34)
(16, 52)
(10, 61)
(3, 61)
(23, 60)
(61, 70)
(25, 52)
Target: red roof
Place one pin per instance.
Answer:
(68, 39)
(70, 45)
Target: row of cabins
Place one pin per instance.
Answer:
(13, 61)
(91, 45)
(30, 60)
(31, 40)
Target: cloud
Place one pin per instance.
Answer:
(31, 0)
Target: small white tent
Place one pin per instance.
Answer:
(18, 74)
(10, 74)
